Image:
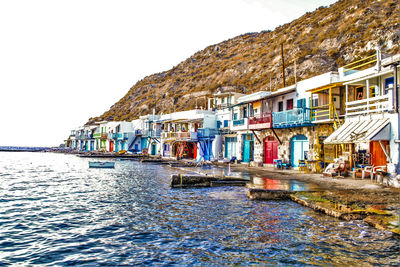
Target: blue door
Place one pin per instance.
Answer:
(153, 149)
(248, 147)
(299, 147)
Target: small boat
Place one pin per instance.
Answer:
(101, 164)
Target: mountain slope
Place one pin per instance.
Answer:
(318, 41)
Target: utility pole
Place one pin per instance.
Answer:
(283, 66)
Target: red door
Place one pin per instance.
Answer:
(270, 150)
(111, 146)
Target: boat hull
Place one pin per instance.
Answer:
(101, 164)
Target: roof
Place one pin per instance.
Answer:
(360, 131)
(368, 77)
(324, 87)
(253, 97)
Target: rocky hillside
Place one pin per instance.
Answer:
(318, 41)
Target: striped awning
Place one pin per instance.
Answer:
(360, 131)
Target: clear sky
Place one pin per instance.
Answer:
(62, 62)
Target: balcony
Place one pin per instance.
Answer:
(292, 118)
(112, 136)
(206, 133)
(241, 124)
(121, 136)
(185, 136)
(261, 122)
(182, 136)
(169, 135)
(152, 133)
(97, 135)
(222, 106)
(376, 104)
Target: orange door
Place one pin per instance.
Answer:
(111, 146)
(378, 156)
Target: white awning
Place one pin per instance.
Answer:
(360, 131)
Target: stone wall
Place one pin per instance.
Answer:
(286, 135)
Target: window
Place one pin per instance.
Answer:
(280, 106)
(315, 101)
(226, 123)
(389, 83)
(289, 104)
(218, 124)
(235, 116)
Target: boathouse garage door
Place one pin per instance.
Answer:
(230, 147)
(298, 148)
(270, 149)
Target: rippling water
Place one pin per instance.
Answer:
(54, 210)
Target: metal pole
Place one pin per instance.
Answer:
(283, 66)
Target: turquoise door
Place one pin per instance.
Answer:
(248, 147)
(298, 149)
(153, 149)
(144, 143)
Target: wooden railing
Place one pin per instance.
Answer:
(370, 105)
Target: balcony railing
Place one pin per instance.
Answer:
(261, 122)
(152, 133)
(241, 124)
(238, 122)
(180, 135)
(112, 136)
(187, 136)
(97, 135)
(292, 118)
(376, 104)
(169, 135)
(206, 133)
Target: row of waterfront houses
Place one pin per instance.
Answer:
(351, 113)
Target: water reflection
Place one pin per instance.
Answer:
(56, 211)
(274, 184)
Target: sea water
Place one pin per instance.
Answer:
(54, 210)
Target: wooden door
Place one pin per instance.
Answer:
(270, 150)
(377, 153)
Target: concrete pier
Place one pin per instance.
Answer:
(184, 180)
